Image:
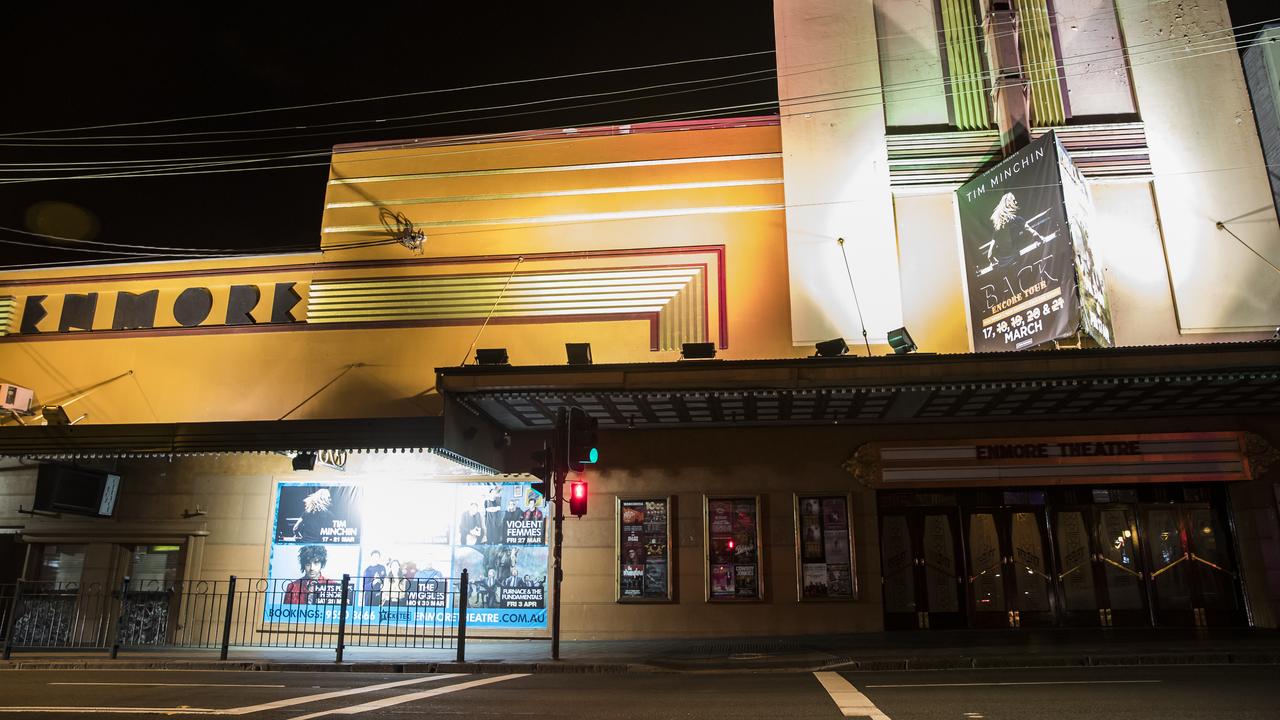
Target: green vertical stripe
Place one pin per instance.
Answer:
(966, 84)
(1041, 62)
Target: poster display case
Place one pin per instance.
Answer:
(644, 570)
(824, 547)
(734, 557)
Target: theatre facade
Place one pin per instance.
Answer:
(1085, 434)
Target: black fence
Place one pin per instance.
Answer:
(236, 613)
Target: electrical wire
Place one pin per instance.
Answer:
(1109, 11)
(197, 169)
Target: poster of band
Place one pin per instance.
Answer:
(1031, 275)
(402, 543)
(733, 549)
(826, 560)
(644, 550)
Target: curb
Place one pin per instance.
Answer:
(1258, 657)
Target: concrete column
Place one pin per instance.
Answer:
(836, 171)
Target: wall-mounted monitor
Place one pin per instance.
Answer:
(76, 490)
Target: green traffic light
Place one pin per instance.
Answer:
(593, 455)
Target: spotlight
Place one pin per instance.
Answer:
(698, 351)
(578, 353)
(304, 461)
(834, 347)
(492, 356)
(901, 342)
(55, 415)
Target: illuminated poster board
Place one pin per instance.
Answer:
(1024, 227)
(824, 547)
(402, 543)
(644, 569)
(731, 533)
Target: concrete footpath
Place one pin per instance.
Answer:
(930, 650)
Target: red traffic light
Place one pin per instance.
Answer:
(578, 497)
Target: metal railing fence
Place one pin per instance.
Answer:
(236, 613)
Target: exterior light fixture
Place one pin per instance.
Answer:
(901, 342)
(492, 356)
(578, 353)
(834, 347)
(304, 461)
(698, 351)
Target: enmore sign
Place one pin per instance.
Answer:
(190, 307)
(1164, 457)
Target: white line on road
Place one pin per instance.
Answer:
(846, 697)
(289, 702)
(410, 697)
(274, 705)
(1030, 682)
(158, 684)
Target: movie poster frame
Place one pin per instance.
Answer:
(706, 549)
(672, 562)
(853, 553)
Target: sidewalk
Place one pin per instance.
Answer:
(930, 650)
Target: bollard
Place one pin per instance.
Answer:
(226, 621)
(124, 592)
(13, 618)
(342, 616)
(462, 616)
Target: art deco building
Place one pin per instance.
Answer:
(1064, 483)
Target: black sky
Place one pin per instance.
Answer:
(71, 70)
(76, 67)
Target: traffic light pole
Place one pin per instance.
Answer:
(557, 483)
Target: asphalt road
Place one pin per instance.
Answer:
(1167, 693)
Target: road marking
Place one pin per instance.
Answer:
(112, 710)
(410, 697)
(1029, 682)
(290, 702)
(287, 702)
(846, 697)
(157, 684)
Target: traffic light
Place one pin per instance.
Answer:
(581, 440)
(578, 497)
(542, 470)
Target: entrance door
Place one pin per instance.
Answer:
(1192, 577)
(921, 568)
(1009, 582)
(1099, 580)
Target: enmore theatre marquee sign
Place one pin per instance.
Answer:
(1062, 460)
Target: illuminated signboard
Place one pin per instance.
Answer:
(403, 543)
(1031, 275)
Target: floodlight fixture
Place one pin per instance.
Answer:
(834, 347)
(578, 353)
(901, 342)
(304, 461)
(698, 351)
(492, 356)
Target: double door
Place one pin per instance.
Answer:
(1100, 574)
(1009, 580)
(922, 568)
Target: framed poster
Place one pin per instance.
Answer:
(734, 556)
(824, 547)
(403, 543)
(645, 557)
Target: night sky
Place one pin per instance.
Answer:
(69, 69)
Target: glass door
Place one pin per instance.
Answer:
(1192, 575)
(920, 566)
(1124, 596)
(1009, 578)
